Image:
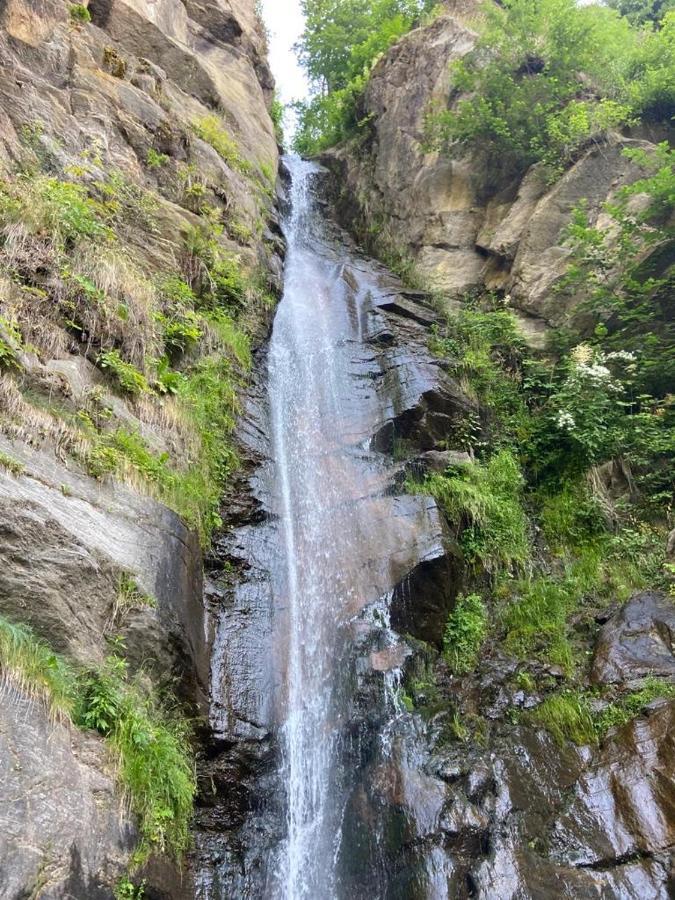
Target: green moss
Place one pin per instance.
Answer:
(567, 715)
(465, 632)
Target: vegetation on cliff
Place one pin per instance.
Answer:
(588, 431)
(173, 342)
(548, 76)
(545, 77)
(150, 743)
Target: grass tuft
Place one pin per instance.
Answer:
(36, 670)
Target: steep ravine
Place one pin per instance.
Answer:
(298, 622)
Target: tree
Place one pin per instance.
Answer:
(642, 12)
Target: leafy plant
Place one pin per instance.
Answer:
(153, 754)
(127, 376)
(484, 501)
(61, 211)
(465, 632)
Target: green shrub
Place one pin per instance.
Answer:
(485, 499)
(209, 399)
(80, 13)
(152, 746)
(465, 632)
(571, 518)
(567, 716)
(212, 130)
(651, 86)
(155, 159)
(10, 342)
(153, 754)
(536, 621)
(488, 354)
(127, 376)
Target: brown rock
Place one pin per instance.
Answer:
(637, 641)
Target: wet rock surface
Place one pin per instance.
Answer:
(522, 819)
(637, 642)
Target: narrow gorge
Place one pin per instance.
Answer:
(337, 546)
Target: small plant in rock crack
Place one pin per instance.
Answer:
(80, 14)
(127, 376)
(128, 596)
(155, 159)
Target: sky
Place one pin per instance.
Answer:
(284, 22)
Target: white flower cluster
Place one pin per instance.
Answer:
(622, 356)
(566, 420)
(595, 371)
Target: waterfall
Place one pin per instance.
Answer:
(317, 477)
(306, 664)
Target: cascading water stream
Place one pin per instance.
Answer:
(312, 472)
(345, 540)
(305, 665)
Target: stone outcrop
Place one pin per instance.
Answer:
(88, 98)
(465, 224)
(637, 642)
(63, 831)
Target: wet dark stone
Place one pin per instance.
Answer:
(422, 601)
(637, 641)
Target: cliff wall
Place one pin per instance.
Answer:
(137, 167)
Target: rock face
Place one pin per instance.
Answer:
(637, 642)
(524, 820)
(464, 224)
(90, 100)
(62, 825)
